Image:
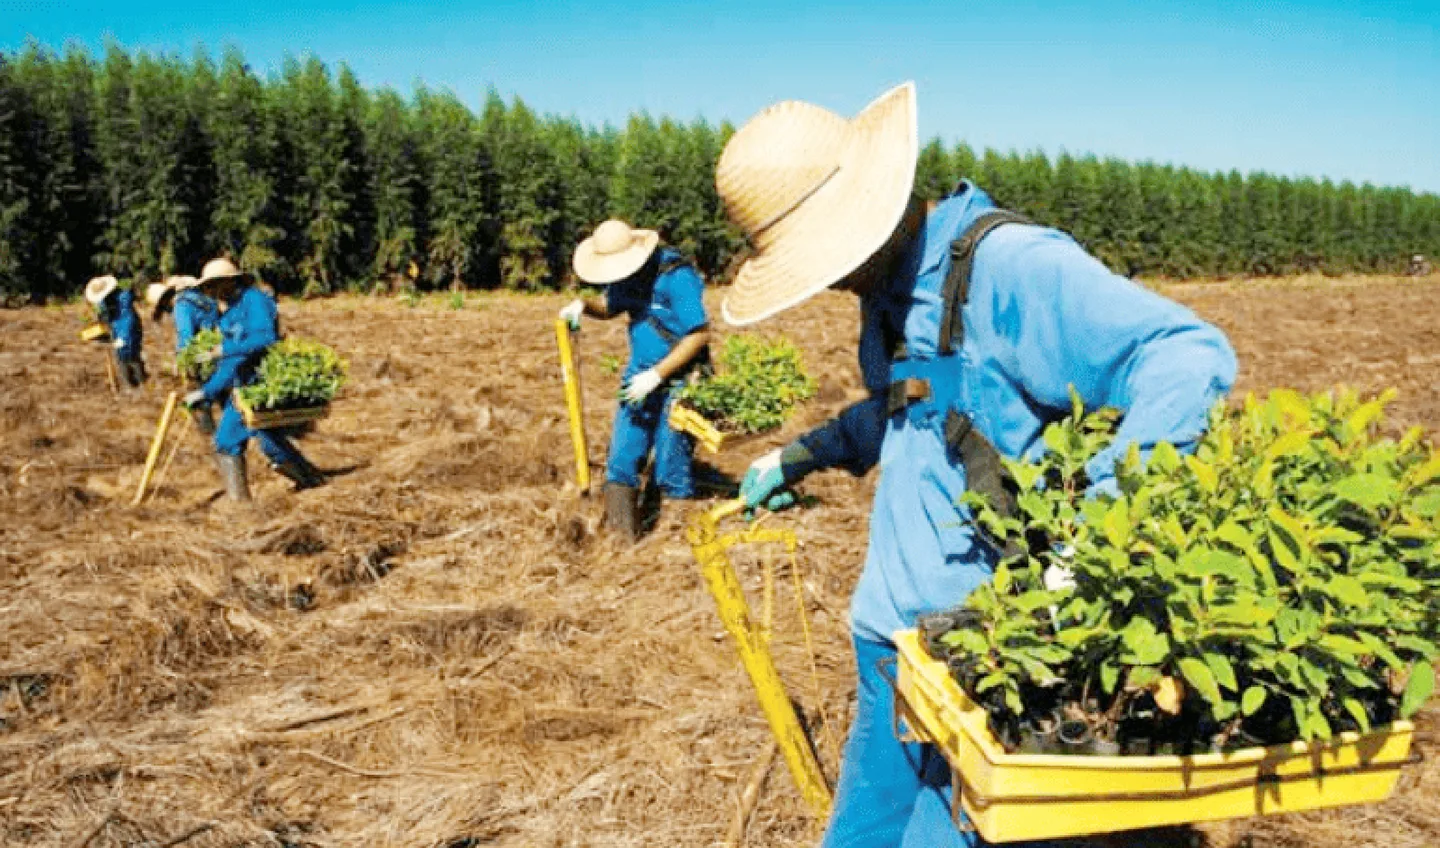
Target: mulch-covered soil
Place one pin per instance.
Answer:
(442, 647)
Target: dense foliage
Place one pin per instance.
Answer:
(188, 362)
(1282, 582)
(143, 166)
(295, 373)
(760, 380)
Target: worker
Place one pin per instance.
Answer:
(661, 293)
(975, 326)
(248, 326)
(115, 308)
(193, 311)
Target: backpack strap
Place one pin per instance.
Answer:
(957, 282)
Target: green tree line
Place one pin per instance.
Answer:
(144, 165)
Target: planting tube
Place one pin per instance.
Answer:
(709, 547)
(570, 371)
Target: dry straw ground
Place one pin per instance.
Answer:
(439, 648)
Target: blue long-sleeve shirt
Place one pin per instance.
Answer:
(193, 312)
(118, 313)
(1042, 315)
(249, 326)
(661, 312)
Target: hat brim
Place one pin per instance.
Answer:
(842, 224)
(602, 269)
(209, 281)
(97, 294)
(163, 302)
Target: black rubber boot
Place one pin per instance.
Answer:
(621, 507)
(232, 472)
(300, 472)
(204, 418)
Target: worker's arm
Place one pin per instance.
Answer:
(684, 351)
(1074, 323)
(256, 329)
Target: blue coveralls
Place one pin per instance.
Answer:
(249, 326)
(193, 312)
(660, 315)
(118, 314)
(1042, 315)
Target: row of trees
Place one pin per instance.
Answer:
(144, 165)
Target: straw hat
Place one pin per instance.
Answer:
(155, 291)
(815, 194)
(100, 288)
(218, 269)
(181, 282)
(614, 252)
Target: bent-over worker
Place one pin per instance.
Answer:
(249, 326)
(662, 294)
(193, 311)
(115, 308)
(975, 326)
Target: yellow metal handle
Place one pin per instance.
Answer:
(573, 403)
(725, 509)
(156, 443)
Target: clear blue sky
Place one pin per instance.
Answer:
(1348, 89)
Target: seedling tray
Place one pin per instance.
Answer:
(685, 419)
(95, 333)
(269, 419)
(1013, 797)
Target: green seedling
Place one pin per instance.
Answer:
(1287, 572)
(758, 384)
(188, 364)
(295, 373)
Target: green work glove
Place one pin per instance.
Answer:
(764, 484)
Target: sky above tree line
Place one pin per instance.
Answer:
(1326, 88)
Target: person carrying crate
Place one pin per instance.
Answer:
(115, 308)
(249, 325)
(662, 294)
(976, 325)
(193, 311)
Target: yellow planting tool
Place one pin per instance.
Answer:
(156, 444)
(570, 370)
(752, 641)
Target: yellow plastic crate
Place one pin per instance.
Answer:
(95, 333)
(685, 419)
(1013, 797)
(269, 419)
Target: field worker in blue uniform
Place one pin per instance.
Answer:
(975, 327)
(193, 311)
(249, 325)
(661, 293)
(115, 307)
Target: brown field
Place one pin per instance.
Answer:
(439, 648)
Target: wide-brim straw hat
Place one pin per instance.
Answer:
(218, 269)
(100, 288)
(816, 196)
(615, 251)
(155, 293)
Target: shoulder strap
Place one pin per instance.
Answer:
(672, 264)
(957, 282)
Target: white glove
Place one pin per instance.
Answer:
(572, 311)
(118, 344)
(641, 385)
(195, 398)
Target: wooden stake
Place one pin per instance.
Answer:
(156, 444)
(110, 371)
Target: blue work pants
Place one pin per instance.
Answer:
(891, 794)
(232, 435)
(640, 428)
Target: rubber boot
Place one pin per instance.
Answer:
(232, 472)
(300, 472)
(620, 510)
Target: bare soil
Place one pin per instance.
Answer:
(442, 647)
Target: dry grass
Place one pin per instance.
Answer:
(439, 649)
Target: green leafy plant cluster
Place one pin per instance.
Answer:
(759, 382)
(1279, 583)
(188, 361)
(295, 373)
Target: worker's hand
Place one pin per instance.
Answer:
(210, 355)
(640, 386)
(764, 484)
(118, 344)
(572, 311)
(194, 398)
